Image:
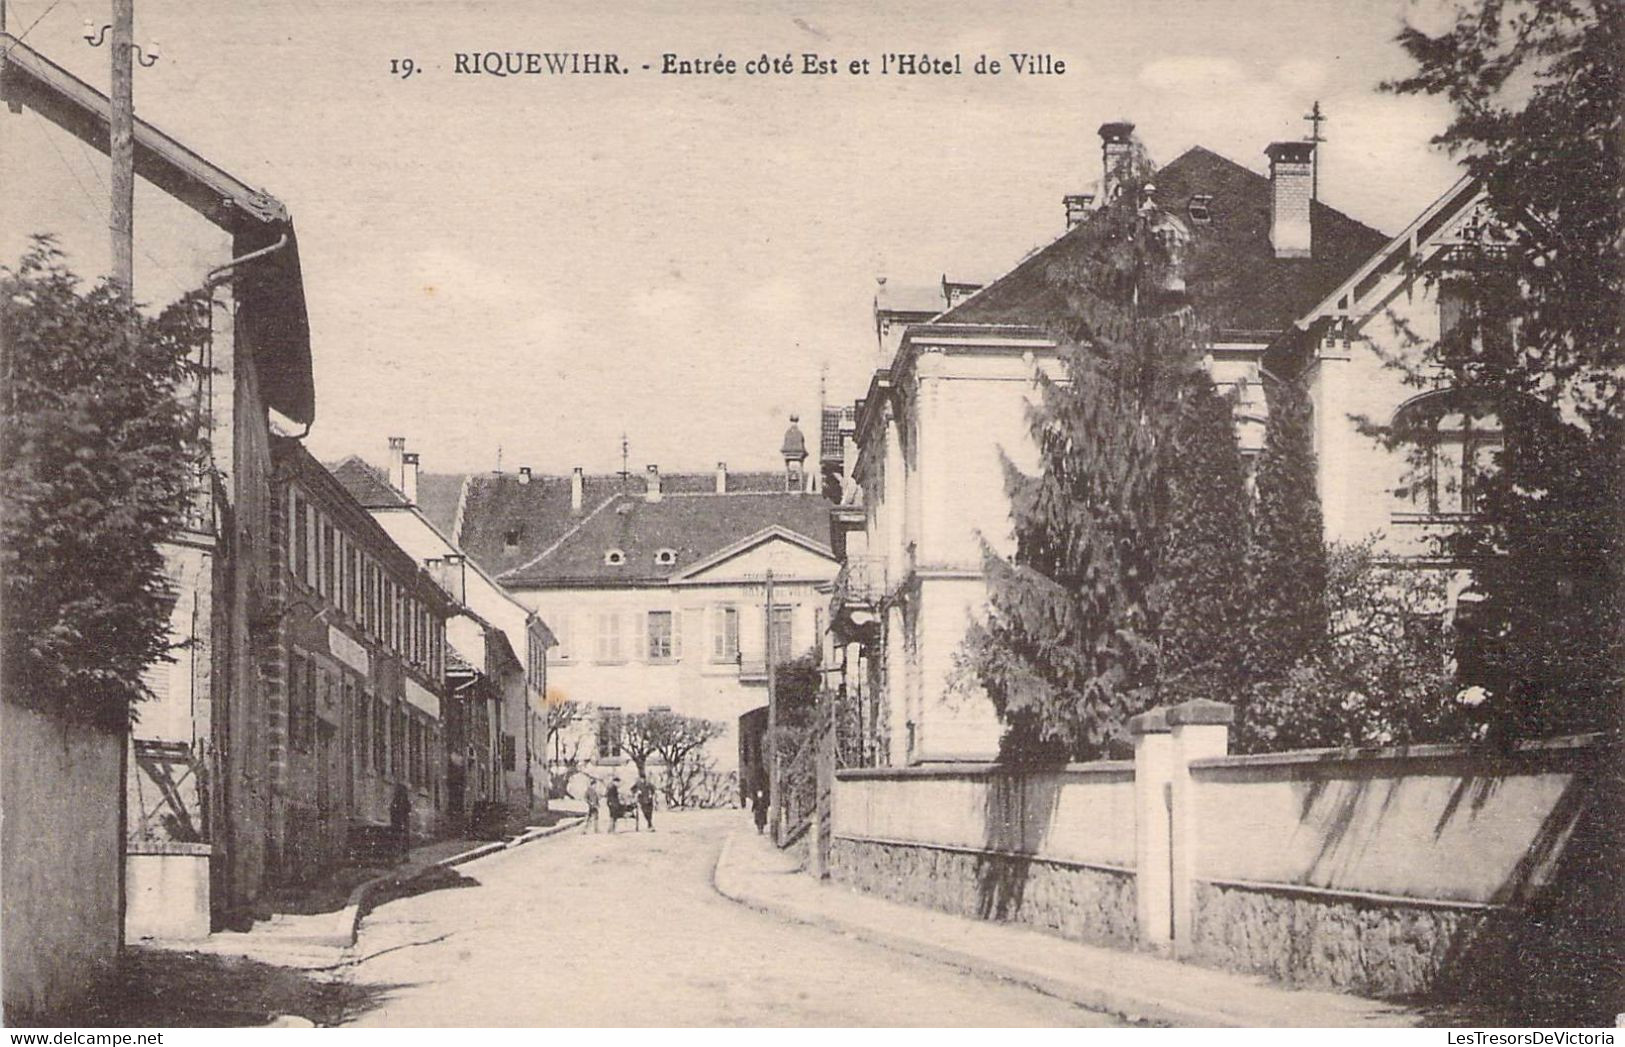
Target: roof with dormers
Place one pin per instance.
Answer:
(1234, 268)
(696, 527)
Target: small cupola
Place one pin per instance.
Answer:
(794, 452)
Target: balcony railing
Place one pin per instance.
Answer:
(862, 580)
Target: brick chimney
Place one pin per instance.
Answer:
(576, 485)
(409, 477)
(1116, 142)
(722, 477)
(524, 474)
(653, 478)
(397, 450)
(1078, 206)
(1292, 169)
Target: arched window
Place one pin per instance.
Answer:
(1454, 441)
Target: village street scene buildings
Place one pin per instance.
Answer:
(1195, 594)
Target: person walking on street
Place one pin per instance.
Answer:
(612, 799)
(758, 808)
(643, 791)
(591, 798)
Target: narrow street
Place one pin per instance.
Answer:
(626, 929)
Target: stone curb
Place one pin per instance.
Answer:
(347, 923)
(1112, 999)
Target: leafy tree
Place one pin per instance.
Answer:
(99, 454)
(684, 736)
(666, 734)
(1286, 619)
(1536, 89)
(1070, 647)
(1201, 588)
(1379, 674)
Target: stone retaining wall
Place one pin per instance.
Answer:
(1082, 903)
(1375, 947)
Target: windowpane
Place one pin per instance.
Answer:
(783, 633)
(660, 635)
(609, 732)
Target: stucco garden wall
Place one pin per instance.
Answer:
(1385, 872)
(1053, 849)
(61, 851)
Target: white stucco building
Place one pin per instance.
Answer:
(926, 489)
(654, 586)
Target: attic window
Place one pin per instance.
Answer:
(614, 557)
(511, 537)
(666, 557)
(1201, 209)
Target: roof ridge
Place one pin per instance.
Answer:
(579, 524)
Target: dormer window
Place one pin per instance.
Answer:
(666, 557)
(1201, 209)
(614, 558)
(511, 538)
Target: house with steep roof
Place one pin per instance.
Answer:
(196, 804)
(654, 587)
(395, 496)
(925, 490)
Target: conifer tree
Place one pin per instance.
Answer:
(1070, 648)
(1202, 567)
(1287, 570)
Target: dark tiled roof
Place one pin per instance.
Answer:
(438, 495)
(366, 484)
(1233, 266)
(694, 526)
(537, 513)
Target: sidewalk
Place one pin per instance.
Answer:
(1137, 986)
(317, 941)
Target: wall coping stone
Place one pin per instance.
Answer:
(1343, 894)
(1152, 721)
(1200, 711)
(993, 852)
(1123, 769)
(1525, 751)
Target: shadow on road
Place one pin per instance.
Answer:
(164, 989)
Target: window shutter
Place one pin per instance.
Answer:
(676, 634)
(716, 633)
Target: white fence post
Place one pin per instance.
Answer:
(1153, 883)
(1200, 728)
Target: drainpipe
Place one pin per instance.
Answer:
(219, 273)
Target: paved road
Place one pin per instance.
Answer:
(583, 930)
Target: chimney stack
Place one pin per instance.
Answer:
(1078, 206)
(653, 477)
(1116, 142)
(524, 474)
(576, 483)
(409, 477)
(1292, 170)
(397, 449)
(722, 477)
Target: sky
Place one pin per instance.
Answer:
(532, 266)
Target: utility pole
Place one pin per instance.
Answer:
(772, 720)
(121, 147)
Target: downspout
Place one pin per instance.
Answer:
(219, 274)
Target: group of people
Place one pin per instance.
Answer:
(643, 802)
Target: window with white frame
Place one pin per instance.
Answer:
(660, 647)
(725, 633)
